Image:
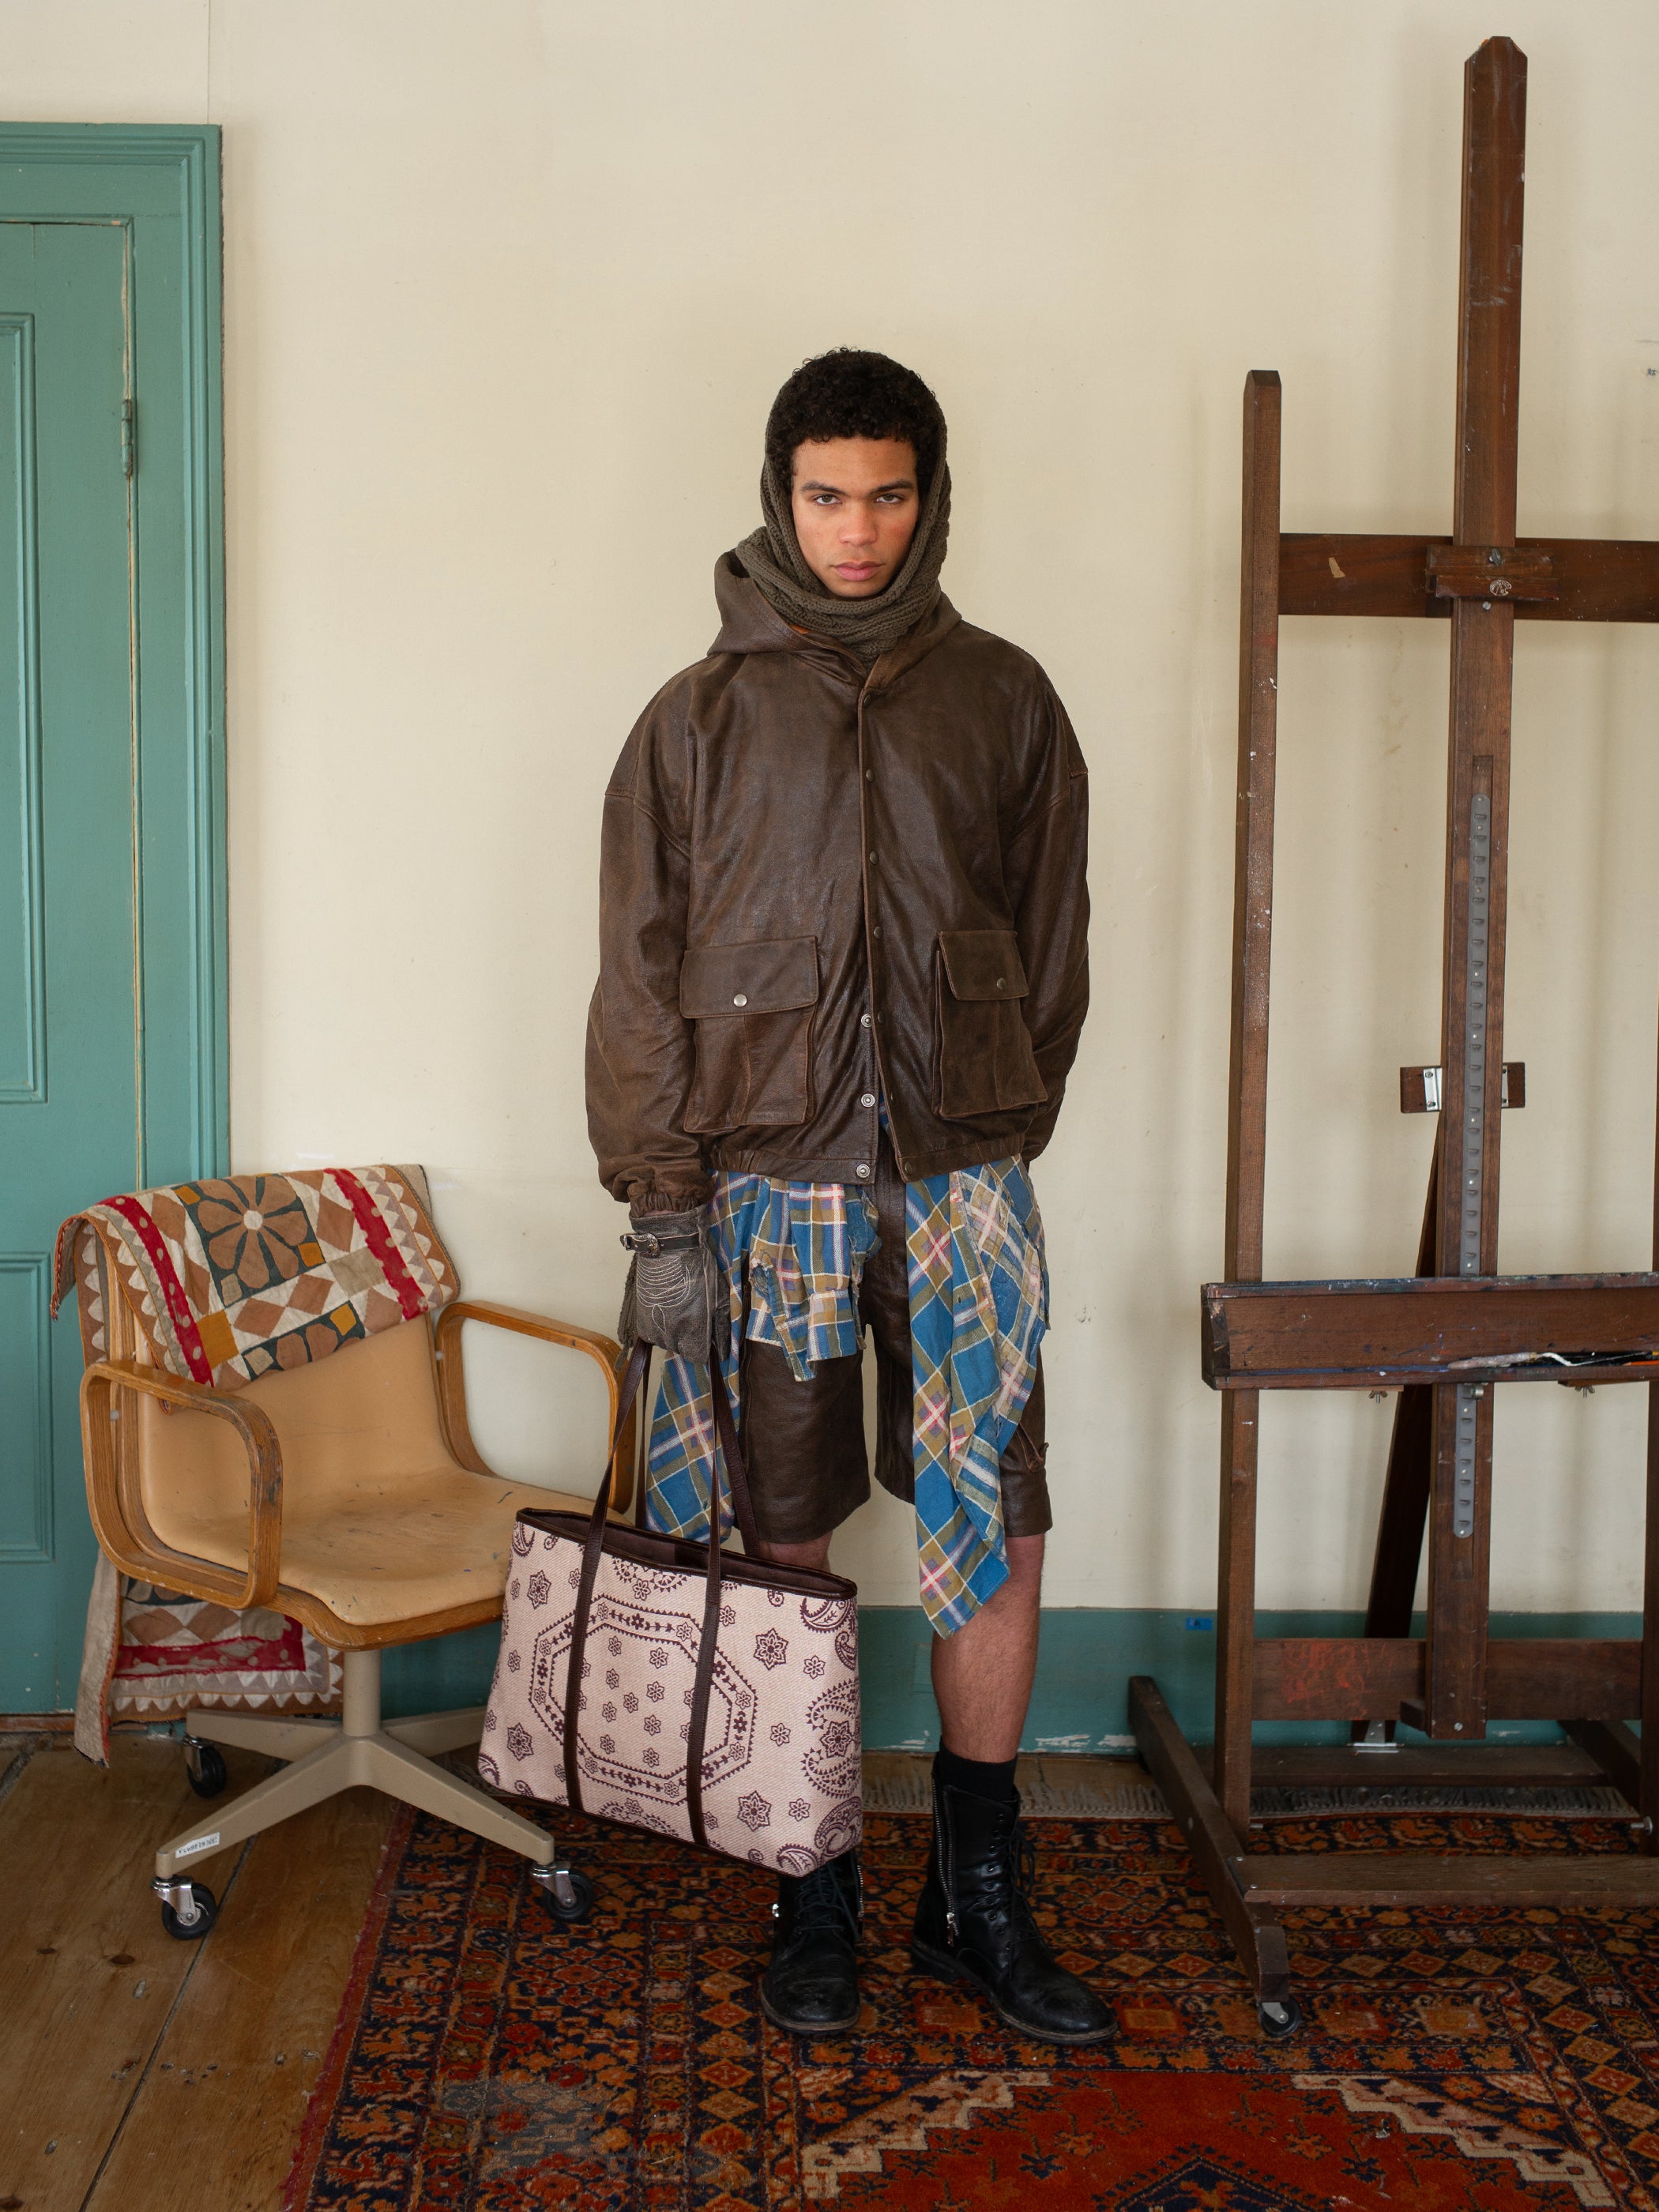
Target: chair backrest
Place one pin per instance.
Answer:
(354, 1427)
(308, 1295)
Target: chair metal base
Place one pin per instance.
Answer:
(325, 1756)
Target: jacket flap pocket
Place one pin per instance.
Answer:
(982, 963)
(772, 977)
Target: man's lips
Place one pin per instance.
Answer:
(856, 571)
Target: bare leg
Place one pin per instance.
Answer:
(974, 1920)
(983, 1676)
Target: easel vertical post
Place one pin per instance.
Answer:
(1247, 1098)
(1477, 861)
(1649, 1785)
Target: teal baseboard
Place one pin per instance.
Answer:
(1080, 1702)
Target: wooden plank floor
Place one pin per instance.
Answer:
(138, 2072)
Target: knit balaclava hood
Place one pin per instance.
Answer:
(772, 557)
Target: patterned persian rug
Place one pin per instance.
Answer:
(487, 2057)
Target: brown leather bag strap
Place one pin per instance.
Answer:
(737, 1468)
(708, 1647)
(708, 1644)
(633, 1375)
(592, 1549)
(731, 1453)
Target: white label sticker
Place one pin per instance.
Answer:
(201, 1844)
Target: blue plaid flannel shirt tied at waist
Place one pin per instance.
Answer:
(791, 1256)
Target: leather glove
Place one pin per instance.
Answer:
(673, 1292)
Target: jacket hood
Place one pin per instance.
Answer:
(749, 624)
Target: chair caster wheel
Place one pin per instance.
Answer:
(1279, 2017)
(204, 1767)
(577, 1906)
(190, 1926)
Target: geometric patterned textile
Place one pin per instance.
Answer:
(177, 1654)
(231, 1277)
(486, 2057)
(791, 1255)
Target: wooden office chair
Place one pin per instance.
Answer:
(344, 1491)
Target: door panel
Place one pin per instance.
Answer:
(25, 1502)
(69, 1011)
(22, 918)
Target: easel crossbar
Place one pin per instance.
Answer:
(1595, 578)
(1357, 1678)
(1370, 1334)
(1408, 1878)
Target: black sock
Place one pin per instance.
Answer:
(991, 1778)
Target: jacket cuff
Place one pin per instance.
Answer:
(643, 1201)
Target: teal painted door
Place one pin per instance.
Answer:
(69, 1011)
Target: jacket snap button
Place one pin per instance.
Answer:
(862, 1169)
(868, 1099)
(741, 999)
(864, 1021)
(999, 982)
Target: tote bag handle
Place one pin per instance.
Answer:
(592, 1550)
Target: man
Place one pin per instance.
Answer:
(843, 969)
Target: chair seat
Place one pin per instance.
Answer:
(427, 1541)
(381, 1526)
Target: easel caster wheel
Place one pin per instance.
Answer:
(204, 1767)
(576, 1905)
(1279, 2017)
(205, 1909)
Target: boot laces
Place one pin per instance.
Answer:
(1015, 1887)
(1020, 1861)
(822, 1907)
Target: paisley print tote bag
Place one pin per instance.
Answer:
(675, 1685)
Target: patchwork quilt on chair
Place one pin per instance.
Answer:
(233, 1277)
(155, 1655)
(228, 1279)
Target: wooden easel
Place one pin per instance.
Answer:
(1444, 1338)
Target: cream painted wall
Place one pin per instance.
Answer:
(509, 287)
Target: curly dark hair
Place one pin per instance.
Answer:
(848, 393)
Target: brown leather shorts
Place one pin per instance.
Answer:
(804, 1442)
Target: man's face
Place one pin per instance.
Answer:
(856, 506)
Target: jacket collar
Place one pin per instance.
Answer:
(749, 624)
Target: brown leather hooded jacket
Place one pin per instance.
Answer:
(819, 883)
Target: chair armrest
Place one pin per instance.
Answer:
(112, 1494)
(452, 1380)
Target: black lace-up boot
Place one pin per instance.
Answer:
(811, 1984)
(974, 1922)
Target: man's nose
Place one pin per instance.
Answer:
(859, 527)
